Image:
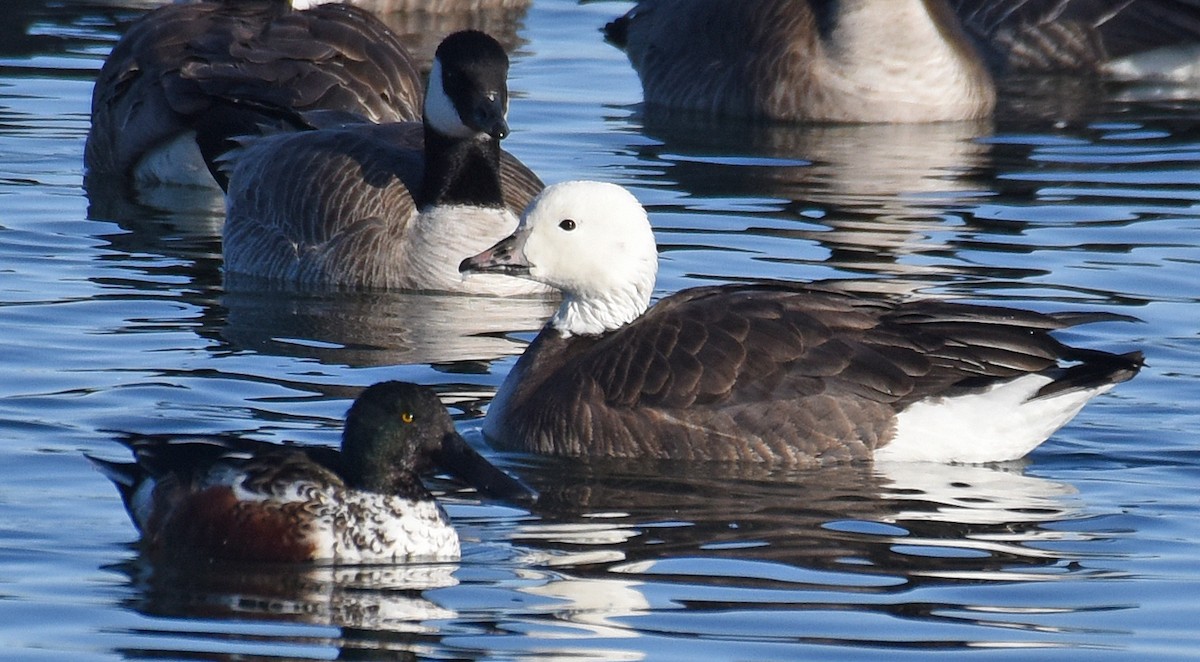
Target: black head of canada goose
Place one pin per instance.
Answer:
(784, 373)
(216, 65)
(394, 205)
(880, 60)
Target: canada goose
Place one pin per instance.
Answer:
(178, 68)
(875, 60)
(391, 205)
(259, 501)
(784, 373)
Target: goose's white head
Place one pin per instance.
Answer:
(591, 240)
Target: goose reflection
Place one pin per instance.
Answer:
(904, 520)
(362, 329)
(878, 198)
(422, 24)
(333, 327)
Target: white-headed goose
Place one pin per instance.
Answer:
(784, 373)
(875, 60)
(394, 205)
(208, 65)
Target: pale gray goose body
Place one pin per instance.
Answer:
(875, 60)
(782, 373)
(213, 65)
(387, 206)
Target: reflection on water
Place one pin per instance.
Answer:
(422, 24)
(849, 518)
(619, 550)
(381, 328)
(382, 598)
(870, 196)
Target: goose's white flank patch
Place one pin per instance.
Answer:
(1003, 422)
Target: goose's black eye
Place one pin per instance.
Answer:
(567, 224)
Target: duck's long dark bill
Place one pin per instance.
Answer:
(503, 258)
(465, 462)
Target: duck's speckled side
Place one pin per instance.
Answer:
(251, 500)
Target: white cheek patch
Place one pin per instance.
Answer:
(439, 109)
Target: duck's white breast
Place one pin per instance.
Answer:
(360, 527)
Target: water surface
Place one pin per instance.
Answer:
(114, 316)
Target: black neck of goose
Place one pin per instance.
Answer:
(461, 171)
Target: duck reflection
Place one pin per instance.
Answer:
(386, 598)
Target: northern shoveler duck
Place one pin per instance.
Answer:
(390, 205)
(205, 71)
(879, 60)
(258, 501)
(786, 373)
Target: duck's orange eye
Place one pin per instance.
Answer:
(407, 417)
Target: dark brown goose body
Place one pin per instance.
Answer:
(780, 373)
(214, 64)
(785, 373)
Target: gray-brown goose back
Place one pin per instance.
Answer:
(806, 60)
(886, 60)
(336, 207)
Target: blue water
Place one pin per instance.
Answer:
(113, 317)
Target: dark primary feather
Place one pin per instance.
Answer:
(775, 371)
(1074, 35)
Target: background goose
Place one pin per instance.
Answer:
(876, 60)
(783, 373)
(179, 67)
(395, 205)
(254, 500)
